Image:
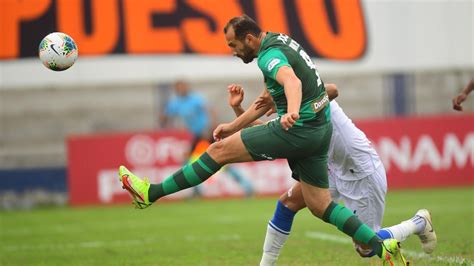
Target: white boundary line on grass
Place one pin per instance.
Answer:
(346, 240)
(84, 244)
(114, 243)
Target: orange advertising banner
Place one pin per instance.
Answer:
(332, 29)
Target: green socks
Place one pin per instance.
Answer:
(348, 223)
(192, 174)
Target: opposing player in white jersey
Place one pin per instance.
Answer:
(356, 176)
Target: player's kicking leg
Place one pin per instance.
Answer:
(218, 154)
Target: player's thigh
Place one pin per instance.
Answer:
(229, 150)
(267, 142)
(312, 169)
(366, 197)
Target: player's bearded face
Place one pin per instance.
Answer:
(240, 48)
(246, 53)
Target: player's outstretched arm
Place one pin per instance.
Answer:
(245, 119)
(461, 97)
(251, 114)
(235, 98)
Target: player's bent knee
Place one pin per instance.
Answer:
(290, 202)
(293, 199)
(229, 150)
(216, 151)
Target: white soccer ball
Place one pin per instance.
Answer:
(58, 51)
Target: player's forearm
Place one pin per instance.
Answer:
(293, 93)
(238, 110)
(469, 87)
(249, 116)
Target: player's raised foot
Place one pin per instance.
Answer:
(428, 235)
(392, 253)
(137, 187)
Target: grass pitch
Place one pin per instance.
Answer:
(228, 232)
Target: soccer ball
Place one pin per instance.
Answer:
(58, 51)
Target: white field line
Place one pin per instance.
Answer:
(85, 244)
(113, 243)
(409, 253)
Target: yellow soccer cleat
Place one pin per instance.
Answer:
(137, 187)
(392, 254)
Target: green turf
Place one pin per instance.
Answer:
(226, 232)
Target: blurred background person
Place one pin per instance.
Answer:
(188, 109)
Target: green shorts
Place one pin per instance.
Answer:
(305, 148)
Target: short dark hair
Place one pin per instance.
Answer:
(242, 26)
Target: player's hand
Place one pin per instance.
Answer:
(288, 120)
(265, 101)
(236, 95)
(458, 100)
(222, 131)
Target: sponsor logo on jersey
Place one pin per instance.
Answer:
(321, 102)
(273, 63)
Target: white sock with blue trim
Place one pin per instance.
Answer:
(403, 230)
(278, 230)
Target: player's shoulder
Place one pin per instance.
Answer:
(271, 60)
(272, 52)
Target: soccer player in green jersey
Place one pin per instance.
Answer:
(301, 134)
